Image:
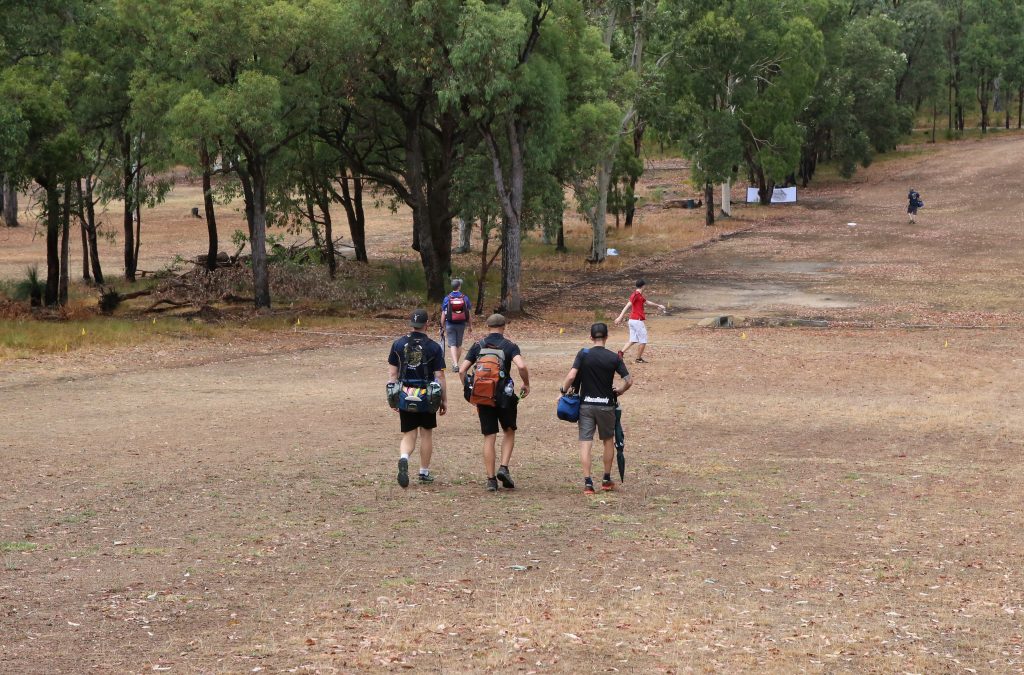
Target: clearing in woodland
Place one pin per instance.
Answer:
(839, 499)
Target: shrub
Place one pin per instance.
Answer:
(30, 288)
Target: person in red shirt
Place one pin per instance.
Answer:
(637, 316)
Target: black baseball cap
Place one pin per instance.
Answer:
(599, 330)
(418, 318)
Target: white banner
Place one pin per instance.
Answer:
(781, 195)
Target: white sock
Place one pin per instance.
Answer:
(405, 455)
(424, 472)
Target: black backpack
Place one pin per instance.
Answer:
(413, 369)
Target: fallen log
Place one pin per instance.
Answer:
(172, 304)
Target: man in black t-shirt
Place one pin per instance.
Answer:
(415, 377)
(593, 375)
(503, 414)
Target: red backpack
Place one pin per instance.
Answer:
(457, 311)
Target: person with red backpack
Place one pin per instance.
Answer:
(455, 320)
(492, 390)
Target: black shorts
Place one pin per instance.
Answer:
(417, 420)
(490, 418)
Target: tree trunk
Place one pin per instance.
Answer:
(80, 211)
(260, 273)
(510, 195)
(598, 226)
(560, 239)
(314, 227)
(709, 204)
(465, 232)
(138, 231)
(638, 145)
(52, 246)
(128, 184)
(949, 106)
(983, 102)
(428, 227)
(247, 194)
(935, 113)
(213, 246)
(352, 200)
(332, 259)
(322, 196)
(65, 246)
(764, 187)
(1020, 106)
(485, 263)
(359, 232)
(90, 215)
(10, 208)
(138, 202)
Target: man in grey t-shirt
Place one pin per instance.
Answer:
(593, 375)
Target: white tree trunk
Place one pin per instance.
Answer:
(465, 232)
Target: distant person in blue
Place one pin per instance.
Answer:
(456, 319)
(416, 389)
(913, 203)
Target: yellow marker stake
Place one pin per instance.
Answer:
(83, 331)
(561, 331)
(298, 322)
(743, 336)
(154, 322)
(946, 343)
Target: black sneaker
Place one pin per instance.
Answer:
(505, 478)
(426, 478)
(403, 472)
(492, 484)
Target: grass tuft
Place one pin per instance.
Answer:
(17, 546)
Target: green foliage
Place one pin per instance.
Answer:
(424, 98)
(403, 278)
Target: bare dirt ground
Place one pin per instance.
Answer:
(844, 499)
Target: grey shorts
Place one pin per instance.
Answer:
(453, 333)
(597, 417)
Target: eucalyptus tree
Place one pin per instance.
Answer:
(1013, 50)
(42, 141)
(519, 70)
(757, 61)
(626, 26)
(982, 55)
(855, 110)
(709, 73)
(385, 116)
(248, 62)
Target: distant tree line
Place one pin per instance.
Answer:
(481, 112)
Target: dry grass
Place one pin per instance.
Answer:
(836, 500)
(25, 337)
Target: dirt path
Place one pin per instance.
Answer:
(839, 500)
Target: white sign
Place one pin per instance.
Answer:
(781, 195)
